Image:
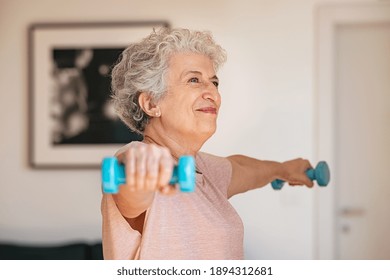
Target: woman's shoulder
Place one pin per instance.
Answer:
(207, 156)
(216, 170)
(209, 162)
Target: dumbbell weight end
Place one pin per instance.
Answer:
(321, 174)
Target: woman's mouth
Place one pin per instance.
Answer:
(208, 110)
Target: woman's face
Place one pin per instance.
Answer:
(191, 104)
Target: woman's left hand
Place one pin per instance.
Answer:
(294, 172)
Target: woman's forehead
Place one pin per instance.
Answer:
(182, 63)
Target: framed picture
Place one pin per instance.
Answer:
(72, 121)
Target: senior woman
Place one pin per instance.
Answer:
(165, 87)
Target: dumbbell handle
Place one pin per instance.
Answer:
(321, 174)
(114, 175)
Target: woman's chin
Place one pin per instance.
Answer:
(207, 132)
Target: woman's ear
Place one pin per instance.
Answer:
(145, 100)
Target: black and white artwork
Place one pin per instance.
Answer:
(81, 110)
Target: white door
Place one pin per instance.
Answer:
(362, 141)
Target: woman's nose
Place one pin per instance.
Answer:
(211, 92)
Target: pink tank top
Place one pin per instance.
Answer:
(200, 225)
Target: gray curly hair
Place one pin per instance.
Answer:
(143, 66)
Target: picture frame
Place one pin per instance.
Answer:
(72, 124)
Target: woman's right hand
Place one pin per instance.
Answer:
(148, 169)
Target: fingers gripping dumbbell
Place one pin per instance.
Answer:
(321, 174)
(113, 174)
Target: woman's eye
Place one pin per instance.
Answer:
(216, 84)
(194, 80)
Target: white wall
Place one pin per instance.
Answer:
(268, 110)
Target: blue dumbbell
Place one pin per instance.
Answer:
(321, 174)
(113, 174)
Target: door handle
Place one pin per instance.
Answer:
(350, 212)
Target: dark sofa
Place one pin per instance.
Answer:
(72, 251)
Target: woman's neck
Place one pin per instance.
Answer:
(177, 145)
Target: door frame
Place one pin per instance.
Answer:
(327, 18)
